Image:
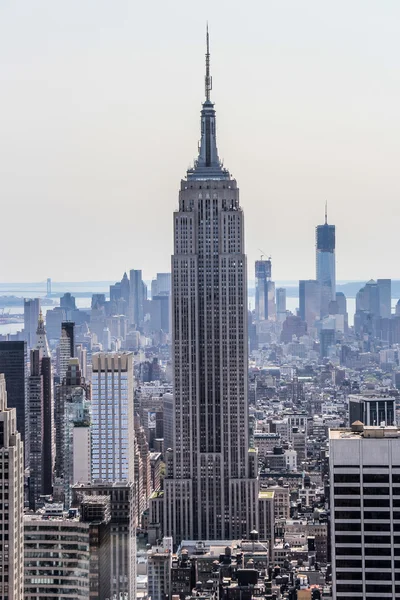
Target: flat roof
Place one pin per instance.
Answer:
(266, 494)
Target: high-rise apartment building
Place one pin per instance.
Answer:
(326, 264)
(31, 316)
(364, 467)
(13, 364)
(112, 417)
(211, 487)
(12, 502)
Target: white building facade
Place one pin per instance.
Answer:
(112, 417)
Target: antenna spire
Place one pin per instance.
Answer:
(208, 78)
(326, 212)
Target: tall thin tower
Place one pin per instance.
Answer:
(211, 489)
(326, 263)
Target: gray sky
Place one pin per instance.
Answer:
(100, 104)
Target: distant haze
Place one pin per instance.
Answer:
(100, 106)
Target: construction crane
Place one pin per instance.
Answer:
(263, 254)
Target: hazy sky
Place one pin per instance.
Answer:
(99, 113)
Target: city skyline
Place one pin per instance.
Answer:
(322, 126)
(206, 433)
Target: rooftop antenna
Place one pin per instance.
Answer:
(326, 212)
(208, 78)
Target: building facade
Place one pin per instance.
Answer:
(263, 275)
(138, 296)
(56, 558)
(364, 467)
(211, 490)
(385, 297)
(67, 347)
(36, 426)
(309, 301)
(31, 316)
(14, 366)
(11, 501)
(113, 436)
(122, 550)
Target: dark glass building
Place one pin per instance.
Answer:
(13, 363)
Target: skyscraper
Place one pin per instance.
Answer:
(161, 286)
(325, 264)
(364, 503)
(48, 440)
(263, 275)
(281, 303)
(31, 316)
(122, 548)
(71, 413)
(67, 347)
(385, 297)
(138, 295)
(76, 450)
(36, 425)
(211, 488)
(12, 502)
(113, 454)
(13, 364)
(309, 301)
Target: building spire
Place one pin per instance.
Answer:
(326, 212)
(208, 164)
(208, 78)
(41, 338)
(40, 322)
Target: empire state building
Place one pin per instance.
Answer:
(211, 485)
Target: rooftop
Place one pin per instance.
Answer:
(364, 432)
(266, 494)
